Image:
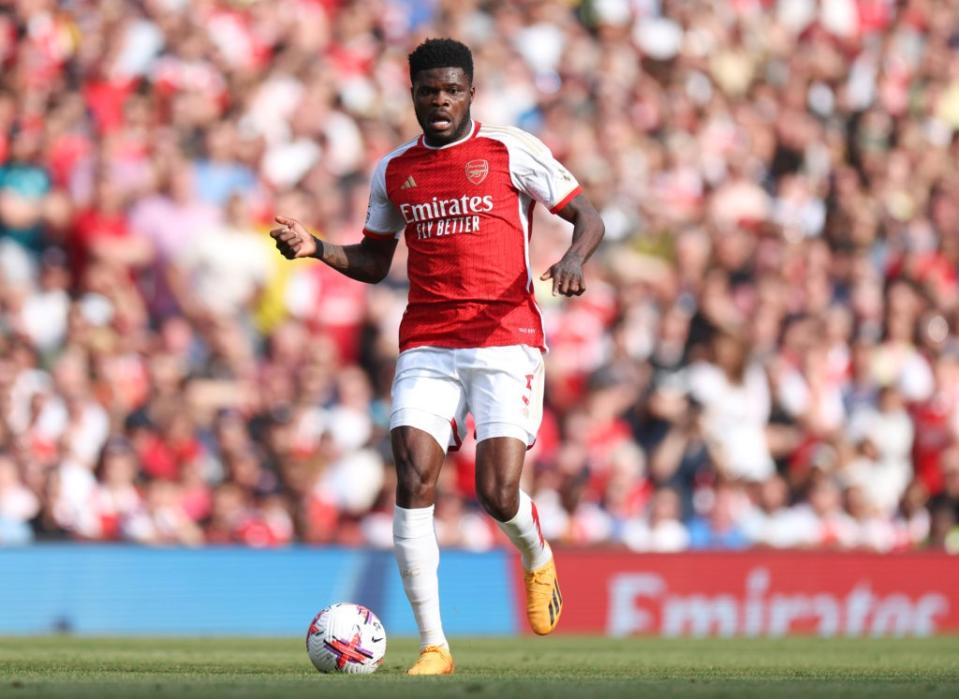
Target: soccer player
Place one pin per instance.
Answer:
(471, 340)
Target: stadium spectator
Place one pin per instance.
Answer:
(18, 504)
(720, 528)
(663, 532)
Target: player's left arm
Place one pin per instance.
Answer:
(588, 231)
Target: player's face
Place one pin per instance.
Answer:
(442, 98)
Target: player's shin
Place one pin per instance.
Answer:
(418, 556)
(525, 533)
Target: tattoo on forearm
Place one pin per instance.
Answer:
(354, 261)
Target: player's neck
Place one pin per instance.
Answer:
(462, 134)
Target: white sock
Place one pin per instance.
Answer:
(418, 557)
(524, 531)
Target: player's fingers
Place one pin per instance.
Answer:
(285, 245)
(548, 274)
(284, 220)
(563, 285)
(277, 232)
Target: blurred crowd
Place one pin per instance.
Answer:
(765, 356)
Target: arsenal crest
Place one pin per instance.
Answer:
(477, 170)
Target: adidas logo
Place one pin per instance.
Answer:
(409, 184)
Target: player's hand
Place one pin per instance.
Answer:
(567, 276)
(292, 239)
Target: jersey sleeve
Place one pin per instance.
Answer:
(537, 173)
(383, 219)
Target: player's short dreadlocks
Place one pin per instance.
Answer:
(441, 53)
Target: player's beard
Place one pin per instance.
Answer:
(454, 132)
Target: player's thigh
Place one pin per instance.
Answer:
(427, 395)
(504, 387)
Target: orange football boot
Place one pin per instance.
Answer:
(544, 602)
(433, 660)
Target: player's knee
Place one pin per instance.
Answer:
(500, 500)
(414, 491)
(413, 488)
(416, 470)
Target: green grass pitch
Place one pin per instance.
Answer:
(561, 667)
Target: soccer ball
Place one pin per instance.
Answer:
(346, 637)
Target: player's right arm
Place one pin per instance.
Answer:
(368, 261)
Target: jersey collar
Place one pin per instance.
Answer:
(474, 129)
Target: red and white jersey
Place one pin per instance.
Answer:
(466, 209)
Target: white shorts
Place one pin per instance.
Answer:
(434, 388)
